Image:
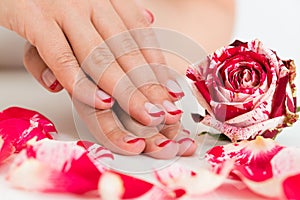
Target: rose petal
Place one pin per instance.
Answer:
(54, 166)
(291, 187)
(235, 133)
(113, 185)
(185, 182)
(20, 131)
(6, 150)
(22, 113)
(18, 126)
(270, 188)
(285, 167)
(98, 154)
(286, 162)
(252, 158)
(265, 167)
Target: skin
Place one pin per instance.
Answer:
(69, 53)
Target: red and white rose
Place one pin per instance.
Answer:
(246, 89)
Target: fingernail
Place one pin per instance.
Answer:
(130, 139)
(174, 89)
(162, 142)
(153, 110)
(171, 108)
(149, 16)
(186, 140)
(186, 131)
(49, 79)
(104, 97)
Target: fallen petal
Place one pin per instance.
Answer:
(252, 158)
(98, 154)
(54, 166)
(265, 167)
(113, 185)
(6, 150)
(20, 131)
(22, 113)
(19, 125)
(184, 182)
(291, 187)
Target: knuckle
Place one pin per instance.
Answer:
(128, 43)
(122, 44)
(152, 88)
(133, 56)
(124, 91)
(66, 59)
(101, 56)
(154, 92)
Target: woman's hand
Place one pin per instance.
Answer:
(87, 47)
(116, 130)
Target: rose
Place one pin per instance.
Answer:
(246, 89)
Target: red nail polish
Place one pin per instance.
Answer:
(149, 16)
(177, 95)
(186, 131)
(109, 100)
(54, 85)
(157, 114)
(175, 112)
(164, 143)
(184, 140)
(135, 140)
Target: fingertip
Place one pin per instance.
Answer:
(173, 114)
(50, 82)
(187, 147)
(148, 15)
(160, 147)
(174, 90)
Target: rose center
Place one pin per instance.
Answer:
(248, 79)
(242, 77)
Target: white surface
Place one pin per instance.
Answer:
(270, 21)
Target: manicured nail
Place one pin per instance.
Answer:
(149, 16)
(162, 142)
(130, 139)
(171, 108)
(104, 97)
(153, 110)
(186, 131)
(186, 140)
(49, 79)
(174, 89)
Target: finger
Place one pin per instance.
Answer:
(37, 67)
(187, 145)
(157, 145)
(131, 59)
(147, 42)
(104, 70)
(58, 56)
(40, 71)
(108, 130)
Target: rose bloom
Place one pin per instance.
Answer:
(246, 89)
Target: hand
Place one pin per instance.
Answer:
(116, 130)
(69, 36)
